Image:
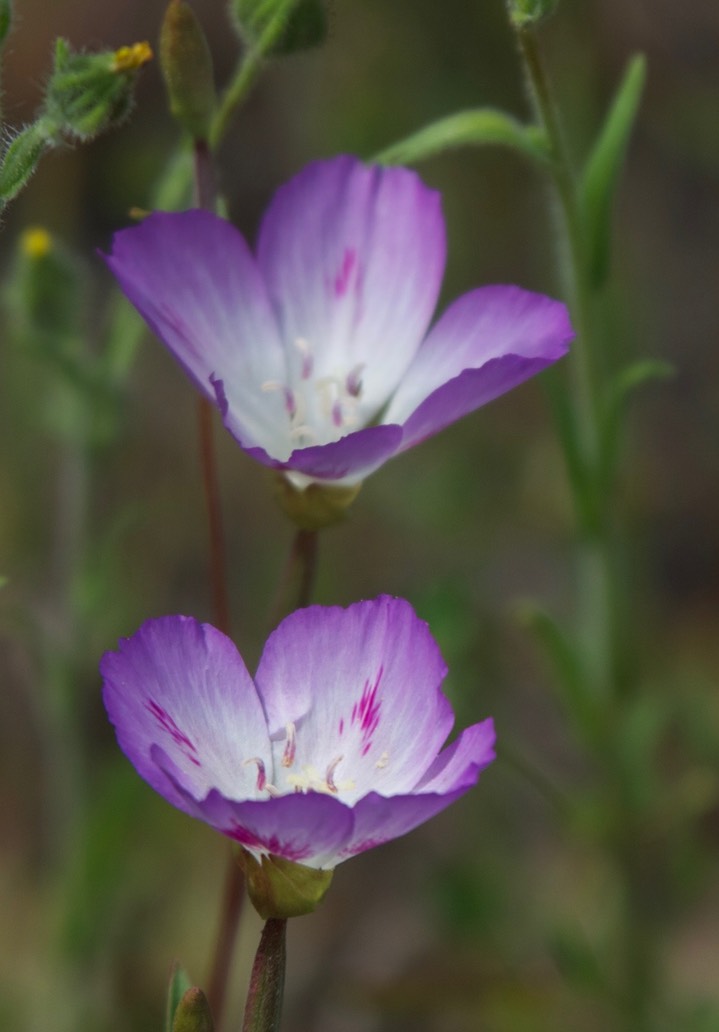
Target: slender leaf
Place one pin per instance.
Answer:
(180, 982)
(602, 168)
(624, 384)
(481, 127)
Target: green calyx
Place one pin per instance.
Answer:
(186, 65)
(315, 506)
(281, 888)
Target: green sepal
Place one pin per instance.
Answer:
(178, 985)
(21, 158)
(602, 168)
(193, 1013)
(315, 506)
(480, 127)
(293, 24)
(186, 65)
(524, 13)
(281, 888)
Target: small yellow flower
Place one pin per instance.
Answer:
(35, 242)
(129, 59)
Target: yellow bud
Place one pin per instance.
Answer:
(35, 242)
(129, 59)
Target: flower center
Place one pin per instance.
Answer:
(307, 779)
(320, 409)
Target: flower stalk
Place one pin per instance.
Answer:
(267, 981)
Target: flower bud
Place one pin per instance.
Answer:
(281, 888)
(302, 23)
(318, 505)
(193, 1013)
(46, 291)
(523, 13)
(187, 69)
(89, 93)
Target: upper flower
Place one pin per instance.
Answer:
(335, 747)
(317, 350)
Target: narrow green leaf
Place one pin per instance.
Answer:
(481, 127)
(603, 166)
(571, 679)
(620, 392)
(180, 982)
(21, 159)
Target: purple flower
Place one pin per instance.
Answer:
(335, 747)
(317, 350)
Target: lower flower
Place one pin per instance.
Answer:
(336, 745)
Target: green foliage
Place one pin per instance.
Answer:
(301, 23)
(524, 13)
(186, 65)
(21, 158)
(5, 20)
(178, 985)
(619, 395)
(481, 127)
(602, 169)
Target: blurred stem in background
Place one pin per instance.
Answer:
(606, 679)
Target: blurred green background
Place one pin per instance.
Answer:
(484, 918)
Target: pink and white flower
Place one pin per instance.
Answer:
(334, 747)
(318, 349)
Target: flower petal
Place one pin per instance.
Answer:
(344, 462)
(310, 828)
(182, 685)
(195, 282)
(487, 342)
(362, 688)
(460, 763)
(353, 257)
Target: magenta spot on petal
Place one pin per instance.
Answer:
(366, 711)
(267, 844)
(342, 279)
(366, 747)
(342, 725)
(163, 718)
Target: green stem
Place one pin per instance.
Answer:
(267, 981)
(298, 577)
(603, 639)
(596, 572)
(246, 73)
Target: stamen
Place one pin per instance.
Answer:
(288, 757)
(329, 776)
(353, 383)
(308, 360)
(382, 761)
(261, 775)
